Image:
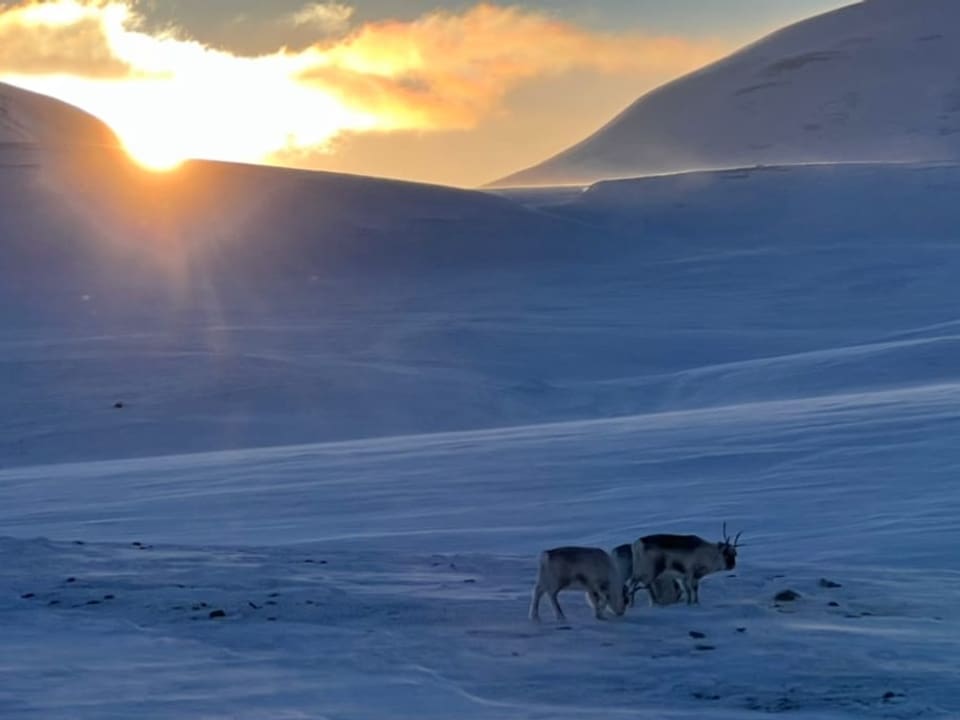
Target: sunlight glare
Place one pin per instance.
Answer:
(182, 100)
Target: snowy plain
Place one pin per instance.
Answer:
(390, 577)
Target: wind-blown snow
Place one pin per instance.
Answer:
(874, 81)
(287, 445)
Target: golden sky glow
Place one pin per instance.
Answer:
(169, 97)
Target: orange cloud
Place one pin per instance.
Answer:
(169, 97)
(38, 38)
(448, 70)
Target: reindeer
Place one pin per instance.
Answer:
(579, 567)
(663, 590)
(686, 557)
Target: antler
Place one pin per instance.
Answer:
(737, 538)
(726, 538)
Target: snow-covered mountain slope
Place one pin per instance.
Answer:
(27, 117)
(875, 81)
(94, 249)
(663, 294)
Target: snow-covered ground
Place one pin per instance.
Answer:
(286, 445)
(390, 578)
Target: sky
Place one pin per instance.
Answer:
(457, 92)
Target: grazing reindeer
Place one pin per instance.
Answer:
(664, 590)
(591, 569)
(686, 557)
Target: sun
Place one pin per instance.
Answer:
(154, 154)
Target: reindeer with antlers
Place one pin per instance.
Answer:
(686, 557)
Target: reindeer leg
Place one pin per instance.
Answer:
(535, 603)
(595, 599)
(650, 586)
(695, 584)
(558, 611)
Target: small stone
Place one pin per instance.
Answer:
(118, 406)
(217, 614)
(833, 603)
(274, 595)
(705, 648)
(705, 696)
(27, 596)
(53, 602)
(253, 605)
(271, 619)
(786, 596)
(71, 579)
(741, 629)
(271, 602)
(109, 597)
(469, 581)
(824, 583)
(93, 602)
(697, 635)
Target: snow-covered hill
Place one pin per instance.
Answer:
(26, 117)
(874, 81)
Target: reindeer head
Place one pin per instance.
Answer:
(618, 598)
(728, 549)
